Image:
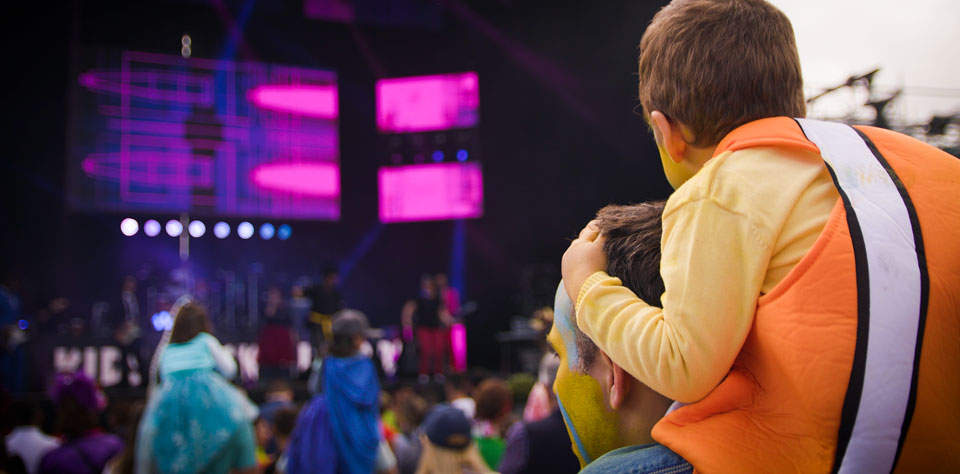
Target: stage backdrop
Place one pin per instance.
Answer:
(160, 133)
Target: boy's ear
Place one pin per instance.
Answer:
(669, 135)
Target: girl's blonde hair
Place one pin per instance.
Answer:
(437, 460)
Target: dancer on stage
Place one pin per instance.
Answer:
(428, 318)
(325, 300)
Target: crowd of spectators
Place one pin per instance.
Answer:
(197, 419)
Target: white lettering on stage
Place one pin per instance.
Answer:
(103, 362)
(109, 366)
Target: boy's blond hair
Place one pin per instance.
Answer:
(714, 65)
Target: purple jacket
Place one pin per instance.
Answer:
(85, 455)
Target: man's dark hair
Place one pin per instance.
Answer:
(632, 248)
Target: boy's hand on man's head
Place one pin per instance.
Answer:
(583, 258)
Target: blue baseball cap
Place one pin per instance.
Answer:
(447, 427)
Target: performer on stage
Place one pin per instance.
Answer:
(325, 300)
(127, 333)
(428, 317)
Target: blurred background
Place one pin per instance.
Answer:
(224, 148)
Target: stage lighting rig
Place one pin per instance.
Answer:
(864, 80)
(879, 106)
(938, 124)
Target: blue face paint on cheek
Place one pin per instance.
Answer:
(563, 322)
(582, 451)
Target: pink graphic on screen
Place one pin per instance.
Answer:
(160, 133)
(431, 192)
(427, 103)
(312, 179)
(314, 101)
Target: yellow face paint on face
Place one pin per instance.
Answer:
(676, 173)
(592, 426)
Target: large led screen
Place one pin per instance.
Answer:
(427, 103)
(431, 192)
(159, 133)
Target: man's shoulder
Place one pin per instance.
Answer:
(644, 458)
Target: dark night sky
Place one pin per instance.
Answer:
(558, 140)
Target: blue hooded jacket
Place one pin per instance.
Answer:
(312, 448)
(352, 393)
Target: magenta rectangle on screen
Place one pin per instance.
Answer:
(431, 192)
(154, 133)
(427, 103)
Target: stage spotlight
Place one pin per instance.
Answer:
(283, 232)
(162, 321)
(129, 227)
(437, 156)
(151, 228)
(462, 155)
(245, 230)
(174, 228)
(221, 230)
(23, 324)
(267, 231)
(197, 229)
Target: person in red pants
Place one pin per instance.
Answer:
(428, 316)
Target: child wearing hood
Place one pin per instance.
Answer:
(346, 411)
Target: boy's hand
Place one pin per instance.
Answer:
(583, 258)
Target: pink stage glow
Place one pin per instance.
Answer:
(311, 179)
(298, 99)
(424, 103)
(431, 192)
(458, 346)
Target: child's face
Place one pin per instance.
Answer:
(263, 431)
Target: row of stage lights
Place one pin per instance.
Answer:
(438, 156)
(245, 230)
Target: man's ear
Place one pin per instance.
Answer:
(669, 135)
(618, 382)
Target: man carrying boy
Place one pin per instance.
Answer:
(608, 413)
(779, 269)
